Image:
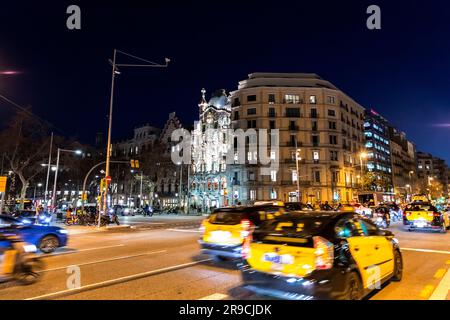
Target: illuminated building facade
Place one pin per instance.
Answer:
(209, 183)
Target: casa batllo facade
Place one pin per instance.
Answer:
(209, 183)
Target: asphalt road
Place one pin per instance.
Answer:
(164, 263)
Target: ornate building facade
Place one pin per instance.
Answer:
(209, 183)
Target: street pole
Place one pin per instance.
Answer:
(48, 170)
(140, 193)
(189, 190)
(56, 179)
(108, 147)
(181, 181)
(298, 173)
(114, 71)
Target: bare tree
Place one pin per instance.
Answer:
(24, 143)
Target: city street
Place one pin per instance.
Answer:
(164, 263)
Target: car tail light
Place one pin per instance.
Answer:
(324, 251)
(203, 227)
(436, 214)
(407, 213)
(246, 252)
(247, 227)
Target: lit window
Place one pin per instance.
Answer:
(249, 156)
(312, 99)
(316, 155)
(252, 194)
(291, 98)
(272, 155)
(273, 175)
(294, 175)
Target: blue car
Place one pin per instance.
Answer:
(45, 238)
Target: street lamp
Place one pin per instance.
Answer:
(149, 64)
(56, 171)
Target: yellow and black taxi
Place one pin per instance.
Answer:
(320, 255)
(225, 230)
(425, 216)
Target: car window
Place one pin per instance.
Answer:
(368, 228)
(6, 222)
(345, 228)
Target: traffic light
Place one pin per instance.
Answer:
(102, 185)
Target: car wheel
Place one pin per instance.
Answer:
(398, 266)
(49, 244)
(353, 290)
(220, 259)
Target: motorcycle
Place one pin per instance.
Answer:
(108, 219)
(382, 217)
(18, 261)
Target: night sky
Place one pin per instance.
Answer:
(402, 71)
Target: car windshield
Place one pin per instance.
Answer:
(8, 221)
(226, 217)
(295, 226)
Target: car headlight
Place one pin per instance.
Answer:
(127, 210)
(63, 231)
(29, 248)
(379, 219)
(26, 221)
(48, 219)
(395, 240)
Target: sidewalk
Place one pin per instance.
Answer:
(138, 222)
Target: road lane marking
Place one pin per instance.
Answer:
(117, 280)
(442, 289)
(184, 230)
(426, 292)
(106, 260)
(440, 273)
(81, 250)
(215, 296)
(425, 250)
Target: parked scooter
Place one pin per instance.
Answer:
(18, 260)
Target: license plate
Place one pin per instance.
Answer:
(419, 224)
(220, 236)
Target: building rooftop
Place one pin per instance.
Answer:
(274, 79)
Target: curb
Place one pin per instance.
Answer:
(119, 227)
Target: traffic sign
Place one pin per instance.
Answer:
(3, 180)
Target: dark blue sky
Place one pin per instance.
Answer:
(402, 71)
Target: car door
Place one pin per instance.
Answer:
(360, 246)
(383, 251)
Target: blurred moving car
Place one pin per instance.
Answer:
(365, 211)
(29, 217)
(425, 216)
(320, 255)
(298, 206)
(226, 229)
(45, 238)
